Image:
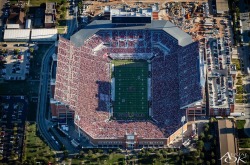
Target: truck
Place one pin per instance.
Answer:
(237, 114)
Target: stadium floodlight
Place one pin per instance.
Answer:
(183, 119)
(78, 118)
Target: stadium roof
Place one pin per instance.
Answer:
(182, 37)
(44, 34)
(16, 34)
(13, 26)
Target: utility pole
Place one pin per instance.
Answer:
(183, 119)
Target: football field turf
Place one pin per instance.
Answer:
(130, 89)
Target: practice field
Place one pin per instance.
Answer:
(130, 89)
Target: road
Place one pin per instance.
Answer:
(246, 107)
(42, 122)
(42, 100)
(244, 54)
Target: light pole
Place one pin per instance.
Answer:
(183, 119)
(78, 118)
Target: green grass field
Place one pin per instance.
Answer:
(130, 89)
(35, 150)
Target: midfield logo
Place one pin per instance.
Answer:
(234, 158)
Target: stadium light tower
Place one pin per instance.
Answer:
(78, 119)
(76, 11)
(183, 119)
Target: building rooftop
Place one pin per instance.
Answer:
(227, 139)
(222, 6)
(50, 8)
(13, 26)
(49, 18)
(218, 93)
(16, 18)
(40, 34)
(16, 34)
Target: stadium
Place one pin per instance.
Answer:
(128, 84)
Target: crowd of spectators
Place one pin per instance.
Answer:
(132, 41)
(165, 87)
(189, 77)
(62, 62)
(175, 83)
(83, 81)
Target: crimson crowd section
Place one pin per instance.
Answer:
(83, 81)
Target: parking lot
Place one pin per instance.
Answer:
(13, 112)
(17, 64)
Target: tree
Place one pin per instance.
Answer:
(80, 5)
(32, 50)
(81, 153)
(151, 150)
(180, 152)
(58, 10)
(26, 9)
(200, 144)
(66, 153)
(202, 136)
(237, 9)
(171, 150)
(215, 142)
(212, 119)
(200, 161)
(212, 154)
(110, 151)
(198, 152)
(16, 51)
(202, 155)
(147, 153)
(57, 23)
(206, 126)
(63, 2)
(207, 163)
(177, 159)
(90, 153)
(4, 51)
(63, 8)
(209, 137)
(213, 161)
(63, 15)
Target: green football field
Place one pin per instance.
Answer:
(130, 89)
